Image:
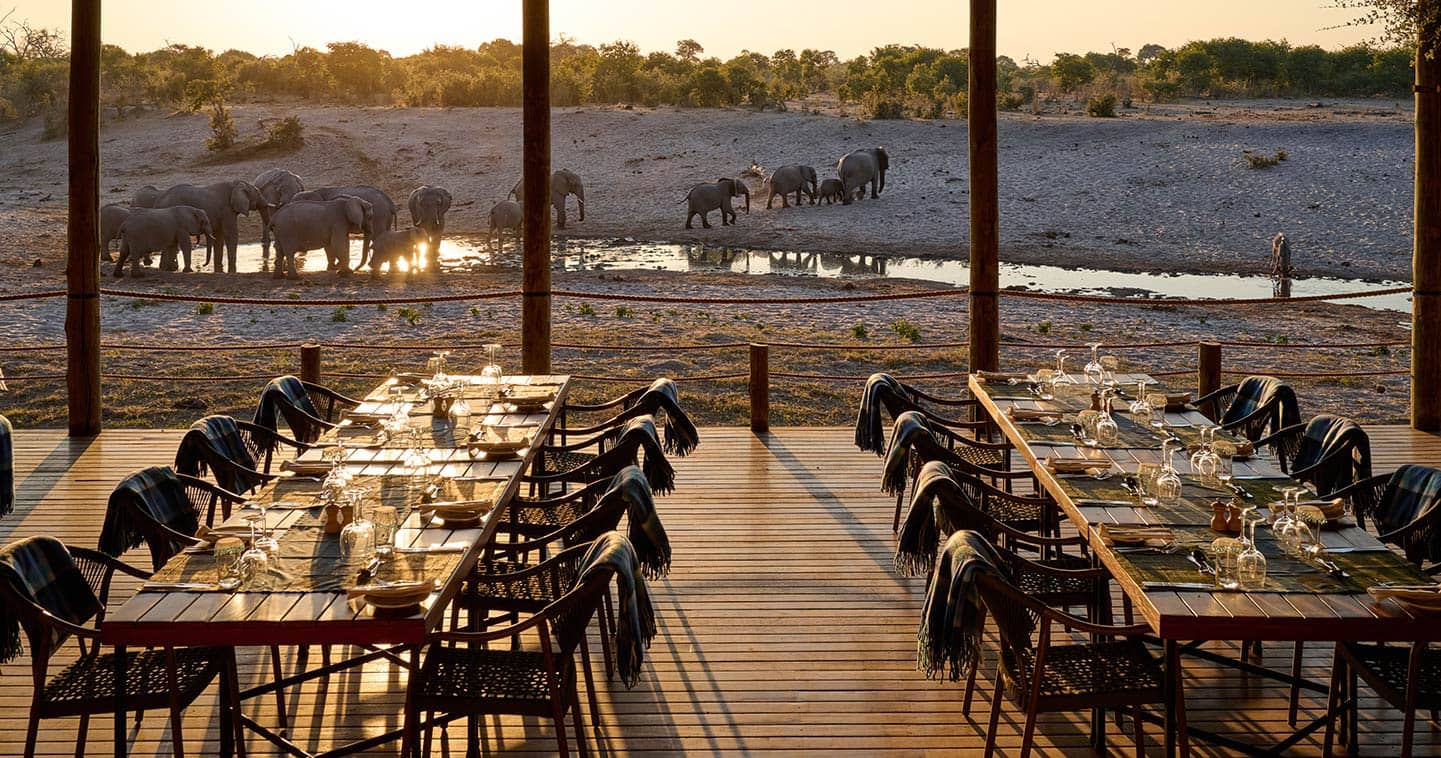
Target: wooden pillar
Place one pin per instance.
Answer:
(1208, 370)
(760, 388)
(535, 276)
(82, 271)
(310, 363)
(1426, 255)
(985, 223)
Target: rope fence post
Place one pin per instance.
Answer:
(1208, 368)
(310, 363)
(760, 388)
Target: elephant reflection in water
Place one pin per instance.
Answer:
(801, 261)
(703, 257)
(863, 264)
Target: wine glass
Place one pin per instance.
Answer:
(1251, 564)
(1283, 514)
(1109, 364)
(260, 531)
(385, 519)
(1095, 372)
(1168, 483)
(357, 538)
(228, 575)
(1061, 376)
(1146, 476)
(254, 563)
(1205, 462)
(492, 373)
(1107, 432)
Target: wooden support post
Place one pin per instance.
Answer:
(760, 388)
(1426, 256)
(310, 363)
(985, 222)
(535, 277)
(1208, 369)
(82, 270)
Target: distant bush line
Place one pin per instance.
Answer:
(894, 81)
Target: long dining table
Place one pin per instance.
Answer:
(304, 600)
(1296, 605)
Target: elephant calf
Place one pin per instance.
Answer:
(831, 191)
(563, 183)
(395, 246)
(704, 198)
(163, 230)
(506, 214)
(428, 206)
(111, 217)
(788, 179)
(318, 224)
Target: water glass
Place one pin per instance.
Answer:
(385, 520)
(254, 568)
(492, 373)
(1157, 401)
(227, 563)
(1146, 475)
(1107, 432)
(1224, 559)
(1251, 564)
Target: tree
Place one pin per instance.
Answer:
(1072, 72)
(360, 72)
(1197, 69)
(1149, 52)
(688, 50)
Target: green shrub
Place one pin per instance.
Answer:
(222, 129)
(622, 311)
(1086, 327)
(1043, 327)
(339, 315)
(1102, 106)
(411, 315)
(204, 309)
(1257, 160)
(880, 106)
(906, 330)
(586, 309)
(860, 332)
(286, 134)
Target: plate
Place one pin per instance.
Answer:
(396, 595)
(1417, 600)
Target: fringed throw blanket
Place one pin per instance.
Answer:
(1412, 493)
(882, 392)
(1326, 434)
(939, 506)
(41, 569)
(647, 534)
(155, 492)
(218, 435)
(639, 436)
(949, 639)
(1257, 391)
(7, 466)
(908, 428)
(681, 435)
(286, 396)
(635, 616)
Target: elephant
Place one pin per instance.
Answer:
(277, 187)
(428, 206)
(111, 217)
(319, 224)
(563, 182)
(393, 246)
(147, 230)
(506, 214)
(222, 201)
(788, 179)
(859, 167)
(704, 198)
(381, 206)
(831, 191)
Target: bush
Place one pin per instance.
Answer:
(1010, 101)
(1257, 160)
(878, 106)
(622, 311)
(286, 134)
(411, 315)
(860, 332)
(339, 315)
(906, 330)
(204, 309)
(1102, 106)
(56, 122)
(222, 129)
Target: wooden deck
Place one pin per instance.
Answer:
(783, 626)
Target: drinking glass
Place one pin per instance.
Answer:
(1107, 432)
(227, 563)
(437, 367)
(1095, 372)
(1168, 484)
(1142, 402)
(1224, 558)
(1045, 384)
(1157, 401)
(386, 519)
(1283, 514)
(260, 531)
(491, 374)
(1109, 364)
(1061, 376)
(1146, 475)
(1251, 564)
(254, 563)
(357, 538)
(1087, 422)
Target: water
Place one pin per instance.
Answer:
(464, 254)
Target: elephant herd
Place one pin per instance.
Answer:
(855, 170)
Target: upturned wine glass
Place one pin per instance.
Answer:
(492, 373)
(1061, 376)
(357, 538)
(1095, 372)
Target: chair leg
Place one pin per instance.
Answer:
(1333, 704)
(81, 735)
(995, 717)
(279, 674)
(575, 718)
(1029, 735)
(604, 619)
(971, 677)
(1408, 732)
(557, 709)
(590, 684)
(177, 719)
(1295, 682)
(1183, 736)
(1139, 732)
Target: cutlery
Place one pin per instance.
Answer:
(1177, 586)
(446, 547)
(1148, 550)
(178, 586)
(1332, 568)
(370, 568)
(1095, 501)
(1198, 557)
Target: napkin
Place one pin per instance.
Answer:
(1026, 414)
(1002, 377)
(1074, 465)
(1134, 534)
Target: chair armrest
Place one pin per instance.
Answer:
(1076, 623)
(271, 436)
(330, 394)
(919, 394)
(1264, 410)
(1036, 540)
(1217, 394)
(505, 632)
(112, 564)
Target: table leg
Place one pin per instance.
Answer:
(1172, 675)
(120, 720)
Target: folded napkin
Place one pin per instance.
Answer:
(1327, 510)
(179, 587)
(1002, 377)
(1074, 465)
(368, 415)
(207, 534)
(307, 468)
(393, 590)
(1027, 414)
(1134, 534)
(1178, 400)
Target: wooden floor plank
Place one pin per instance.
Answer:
(784, 629)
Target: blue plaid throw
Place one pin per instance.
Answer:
(681, 436)
(640, 435)
(635, 616)
(939, 506)
(286, 396)
(949, 638)
(1326, 434)
(882, 391)
(41, 569)
(7, 466)
(155, 493)
(1412, 493)
(647, 534)
(1258, 391)
(904, 431)
(221, 437)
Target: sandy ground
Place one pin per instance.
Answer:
(1164, 190)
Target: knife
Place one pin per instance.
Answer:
(1177, 586)
(1094, 501)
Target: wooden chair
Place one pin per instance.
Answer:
(53, 612)
(1252, 406)
(238, 454)
(1402, 508)
(460, 675)
(977, 457)
(1328, 452)
(635, 446)
(1041, 675)
(1409, 678)
(333, 403)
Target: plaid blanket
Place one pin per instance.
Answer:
(908, 427)
(1326, 434)
(635, 616)
(647, 534)
(7, 466)
(154, 493)
(949, 638)
(640, 435)
(882, 391)
(41, 569)
(1413, 493)
(1257, 391)
(939, 506)
(681, 435)
(286, 396)
(217, 435)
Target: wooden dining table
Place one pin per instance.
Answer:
(1198, 610)
(298, 614)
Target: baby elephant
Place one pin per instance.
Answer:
(506, 214)
(162, 230)
(394, 246)
(831, 191)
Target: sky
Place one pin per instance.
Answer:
(1027, 28)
